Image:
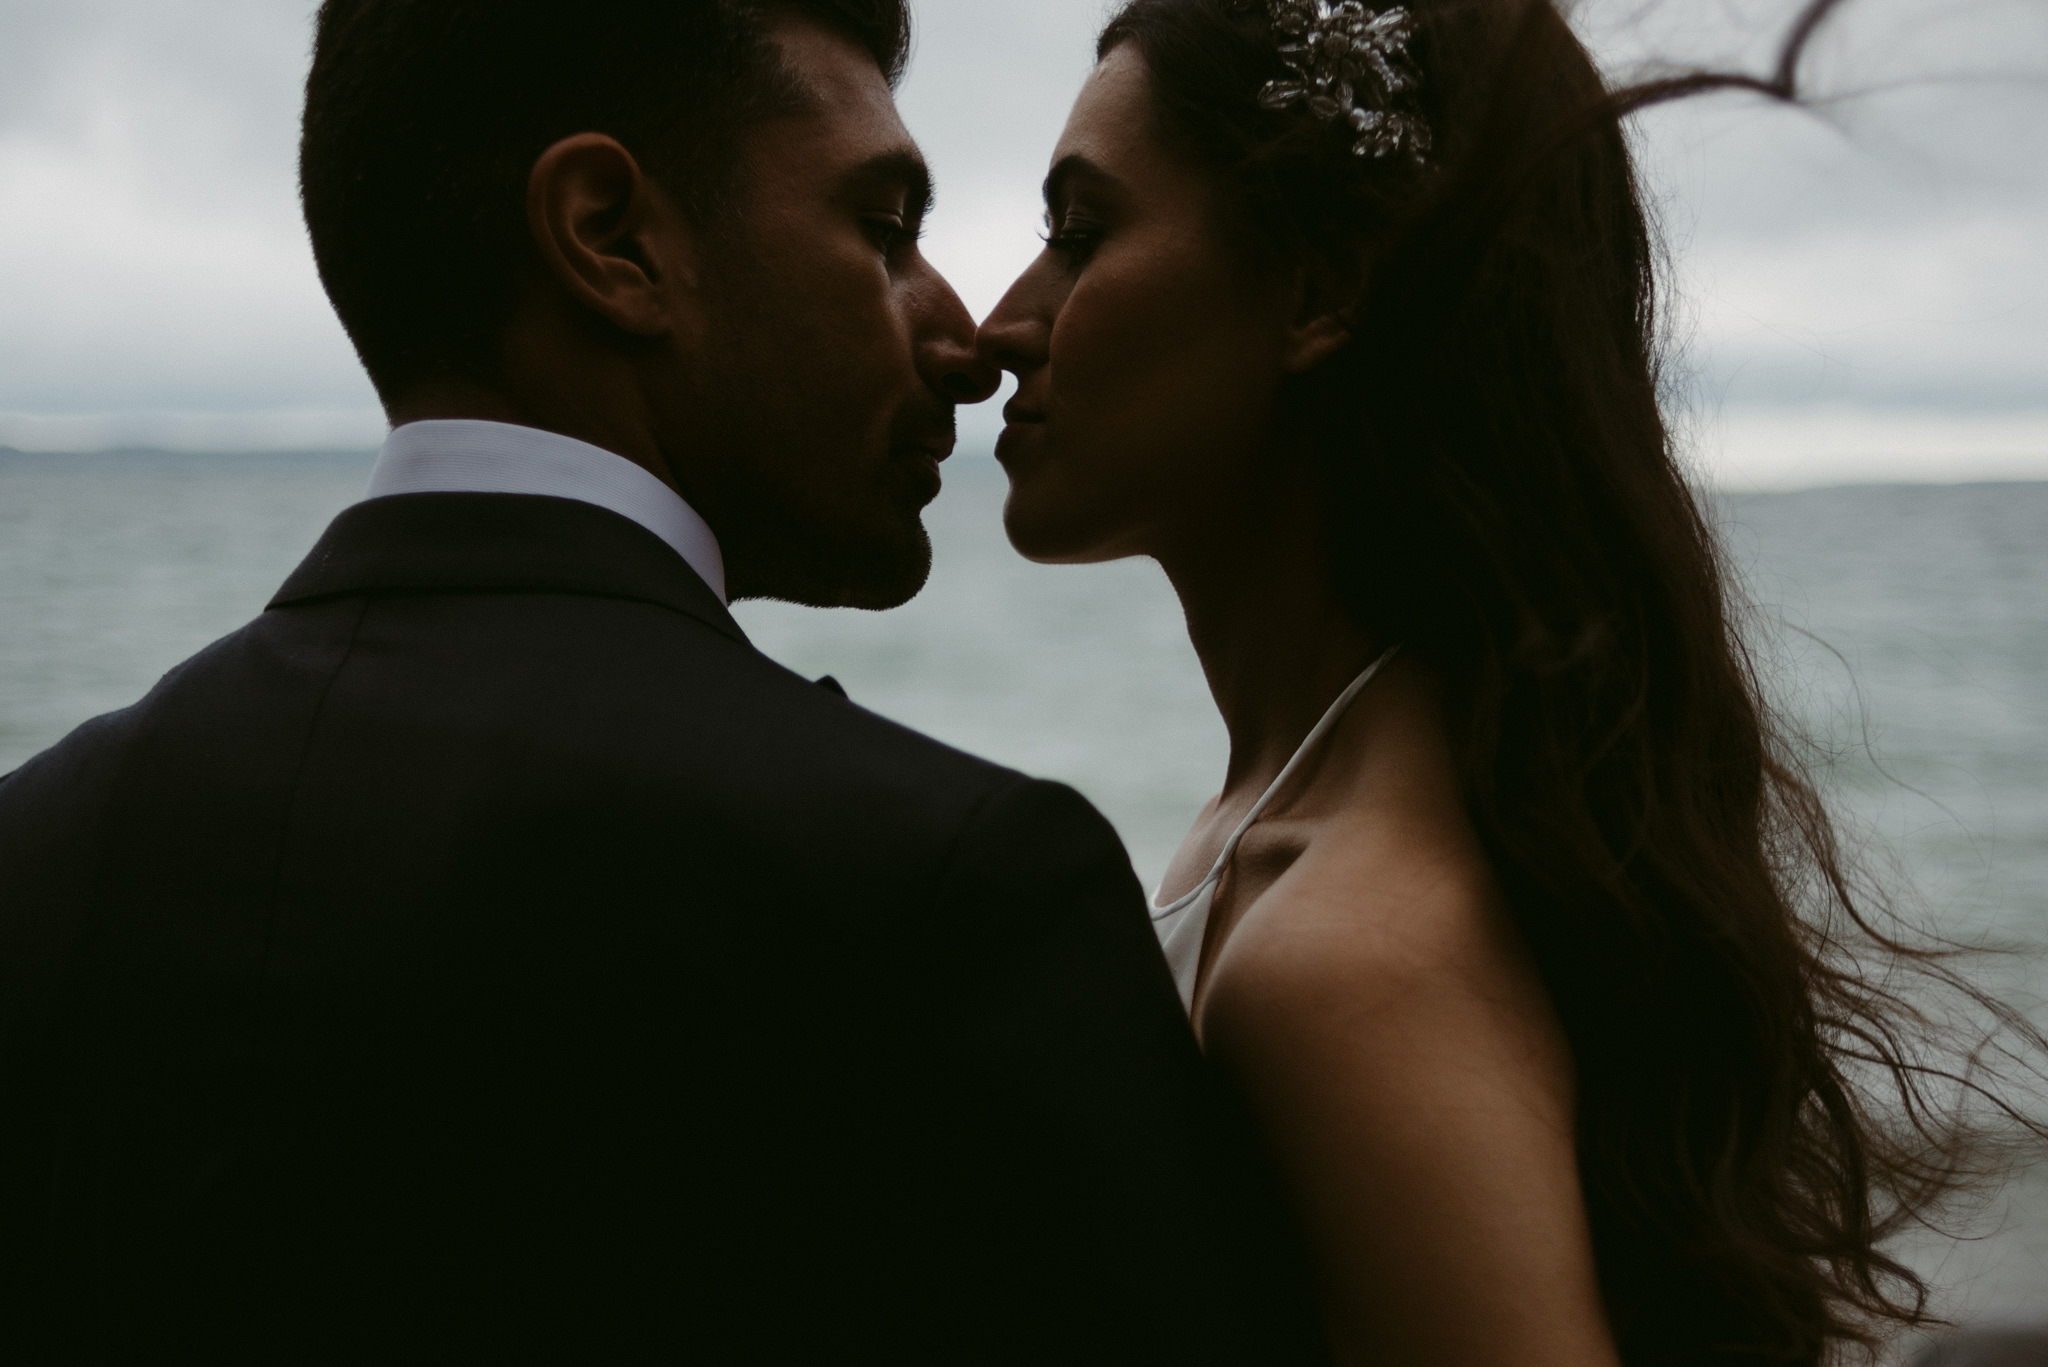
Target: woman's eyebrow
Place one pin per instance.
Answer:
(1072, 167)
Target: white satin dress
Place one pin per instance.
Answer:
(1183, 925)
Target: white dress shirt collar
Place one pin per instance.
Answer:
(473, 457)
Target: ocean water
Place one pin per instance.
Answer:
(1905, 630)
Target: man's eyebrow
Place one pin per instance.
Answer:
(904, 169)
(1071, 167)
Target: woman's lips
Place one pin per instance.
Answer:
(1018, 411)
(1026, 419)
(1010, 445)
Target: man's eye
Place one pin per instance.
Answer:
(891, 235)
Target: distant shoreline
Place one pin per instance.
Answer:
(369, 453)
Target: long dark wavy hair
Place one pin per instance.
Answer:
(1761, 1096)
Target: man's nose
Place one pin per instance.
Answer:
(973, 383)
(949, 359)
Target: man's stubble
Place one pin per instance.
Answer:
(800, 484)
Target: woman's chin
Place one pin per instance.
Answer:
(1047, 533)
(1050, 519)
(1029, 534)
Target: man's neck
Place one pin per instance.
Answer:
(459, 399)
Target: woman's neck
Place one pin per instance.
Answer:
(1263, 613)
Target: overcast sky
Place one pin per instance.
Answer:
(1864, 293)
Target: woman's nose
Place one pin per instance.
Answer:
(1014, 337)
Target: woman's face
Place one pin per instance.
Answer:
(1148, 354)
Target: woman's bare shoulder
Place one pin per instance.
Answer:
(1390, 893)
(1378, 1008)
(1391, 920)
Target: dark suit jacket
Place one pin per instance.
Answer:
(487, 955)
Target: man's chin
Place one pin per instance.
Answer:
(874, 575)
(882, 590)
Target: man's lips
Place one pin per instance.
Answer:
(917, 464)
(930, 435)
(934, 449)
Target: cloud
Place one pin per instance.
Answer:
(1759, 447)
(152, 261)
(1888, 254)
(1887, 248)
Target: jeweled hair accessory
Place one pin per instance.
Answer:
(1351, 64)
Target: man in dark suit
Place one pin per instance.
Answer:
(486, 955)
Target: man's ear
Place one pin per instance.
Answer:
(608, 235)
(1321, 326)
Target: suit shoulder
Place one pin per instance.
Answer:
(869, 747)
(987, 822)
(1024, 818)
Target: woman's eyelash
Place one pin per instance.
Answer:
(1070, 239)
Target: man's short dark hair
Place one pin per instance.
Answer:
(424, 119)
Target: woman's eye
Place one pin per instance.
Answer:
(1072, 238)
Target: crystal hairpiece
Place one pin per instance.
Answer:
(1351, 64)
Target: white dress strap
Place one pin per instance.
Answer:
(1308, 746)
